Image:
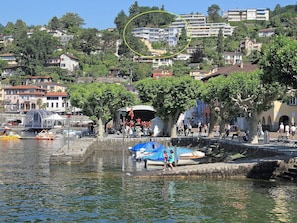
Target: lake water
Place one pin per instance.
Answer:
(33, 191)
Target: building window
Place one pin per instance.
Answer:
(57, 104)
(52, 104)
(293, 101)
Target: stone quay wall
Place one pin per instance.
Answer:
(81, 149)
(270, 164)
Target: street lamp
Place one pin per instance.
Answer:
(69, 117)
(123, 142)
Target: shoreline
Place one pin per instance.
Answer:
(268, 162)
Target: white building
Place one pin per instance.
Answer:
(247, 14)
(69, 62)
(56, 101)
(194, 24)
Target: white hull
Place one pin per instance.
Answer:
(181, 162)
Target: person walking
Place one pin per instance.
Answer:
(171, 160)
(165, 160)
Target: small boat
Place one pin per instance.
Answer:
(184, 156)
(10, 136)
(72, 133)
(144, 149)
(45, 135)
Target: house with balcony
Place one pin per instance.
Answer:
(52, 86)
(37, 79)
(266, 32)
(232, 58)
(62, 35)
(247, 46)
(22, 98)
(9, 58)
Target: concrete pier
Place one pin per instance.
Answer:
(81, 149)
(77, 153)
(270, 160)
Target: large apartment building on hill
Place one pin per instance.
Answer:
(195, 25)
(236, 15)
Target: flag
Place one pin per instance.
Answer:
(131, 113)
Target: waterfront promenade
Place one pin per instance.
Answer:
(271, 156)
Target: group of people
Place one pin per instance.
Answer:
(168, 160)
(286, 129)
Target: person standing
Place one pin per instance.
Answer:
(259, 129)
(287, 130)
(293, 130)
(165, 160)
(228, 130)
(171, 159)
(281, 128)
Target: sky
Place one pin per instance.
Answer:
(100, 14)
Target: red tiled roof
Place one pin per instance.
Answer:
(37, 93)
(22, 87)
(51, 94)
(71, 56)
(246, 67)
(6, 55)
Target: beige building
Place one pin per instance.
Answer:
(280, 112)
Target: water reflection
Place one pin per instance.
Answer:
(31, 190)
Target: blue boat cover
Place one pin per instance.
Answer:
(148, 146)
(158, 155)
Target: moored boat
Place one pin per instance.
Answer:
(144, 149)
(10, 136)
(184, 156)
(45, 135)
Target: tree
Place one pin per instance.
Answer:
(216, 94)
(39, 103)
(35, 51)
(182, 40)
(109, 41)
(120, 21)
(170, 97)
(197, 56)
(252, 96)
(220, 48)
(180, 68)
(87, 41)
(214, 13)
(100, 101)
(279, 62)
(70, 20)
(54, 23)
(134, 9)
(8, 29)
